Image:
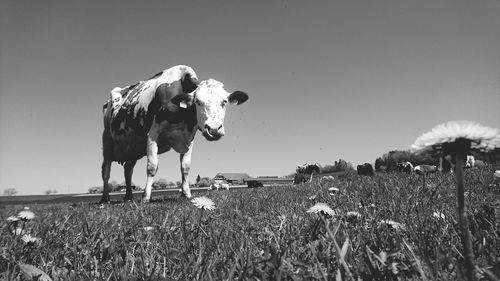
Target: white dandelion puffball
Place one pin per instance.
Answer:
(497, 173)
(203, 203)
(321, 208)
(26, 215)
(482, 138)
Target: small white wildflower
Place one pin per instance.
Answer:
(28, 239)
(13, 219)
(497, 173)
(312, 197)
(26, 215)
(333, 190)
(438, 215)
(353, 215)
(321, 208)
(204, 203)
(148, 228)
(393, 224)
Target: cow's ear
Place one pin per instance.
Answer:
(189, 83)
(183, 100)
(238, 97)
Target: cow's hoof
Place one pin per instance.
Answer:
(184, 195)
(145, 200)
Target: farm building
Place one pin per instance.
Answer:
(232, 178)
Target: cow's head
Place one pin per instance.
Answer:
(210, 99)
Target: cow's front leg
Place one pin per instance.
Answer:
(105, 171)
(152, 167)
(185, 166)
(128, 170)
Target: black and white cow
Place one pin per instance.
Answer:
(162, 113)
(365, 170)
(304, 173)
(425, 169)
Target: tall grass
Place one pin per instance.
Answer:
(267, 233)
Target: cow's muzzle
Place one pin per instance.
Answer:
(212, 134)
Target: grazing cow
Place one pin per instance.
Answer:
(470, 162)
(254, 183)
(406, 167)
(304, 173)
(365, 169)
(162, 113)
(425, 169)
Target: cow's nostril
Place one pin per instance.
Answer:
(220, 127)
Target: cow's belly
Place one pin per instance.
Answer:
(128, 147)
(178, 139)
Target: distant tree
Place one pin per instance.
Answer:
(162, 184)
(50, 191)
(114, 186)
(198, 178)
(204, 182)
(178, 183)
(123, 183)
(10, 191)
(95, 189)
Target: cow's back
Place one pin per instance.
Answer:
(131, 111)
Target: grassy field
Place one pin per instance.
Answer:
(401, 231)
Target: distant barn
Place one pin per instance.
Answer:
(232, 178)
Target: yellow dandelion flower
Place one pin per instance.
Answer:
(204, 203)
(13, 219)
(28, 239)
(394, 224)
(443, 135)
(26, 215)
(321, 208)
(333, 190)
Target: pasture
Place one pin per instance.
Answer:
(386, 227)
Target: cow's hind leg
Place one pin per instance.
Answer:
(105, 171)
(128, 170)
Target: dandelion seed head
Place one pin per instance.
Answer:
(321, 208)
(203, 203)
(482, 138)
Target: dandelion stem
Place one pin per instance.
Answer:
(462, 214)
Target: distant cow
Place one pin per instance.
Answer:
(162, 113)
(425, 169)
(365, 169)
(254, 183)
(470, 161)
(447, 163)
(406, 167)
(305, 172)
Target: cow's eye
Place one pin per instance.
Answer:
(224, 102)
(198, 102)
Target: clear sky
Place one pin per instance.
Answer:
(327, 79)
